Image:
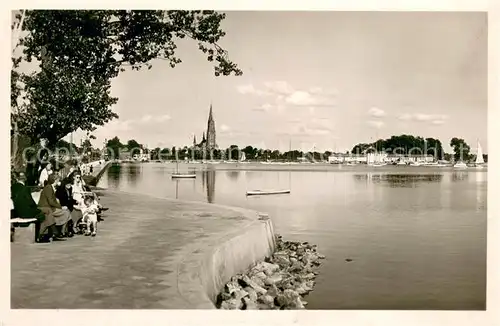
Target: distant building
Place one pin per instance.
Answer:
(208, 144)
(211, 144)
(378, 157)
(142, 156)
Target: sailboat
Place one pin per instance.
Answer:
(377, 158)
(178, 175)
(479, 157)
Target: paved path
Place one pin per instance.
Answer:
(134, 262)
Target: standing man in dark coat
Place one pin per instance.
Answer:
(25, 207)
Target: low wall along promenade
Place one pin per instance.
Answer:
(149, 253)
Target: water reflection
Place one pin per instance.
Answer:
(113, 174)
(481, 191)
(233, 175)
(398, 180)
(176, 189)
(406, 180)
(459, 176)
(208, 182)
(365, 178)
(133, 172)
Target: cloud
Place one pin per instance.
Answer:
(300, 98)
(437, 122)
(405, 117)
(294, 120)
(322, 123)
(278, 87)
(305, 130)
(224, 128)
(315, 127)
(436, 119)
(250, 89)
(316, 90)
(376, 124)
(376, 112)
(146, 118)
(245, 89)
(285, 95)
(325, 92)
(120, 125)
(264, 107)
(303, 98)
(164, 118)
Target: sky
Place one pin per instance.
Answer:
(316, 80)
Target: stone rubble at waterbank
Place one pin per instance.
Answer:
(279, 282)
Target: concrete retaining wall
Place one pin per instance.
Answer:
(205, 272)
(236, 255)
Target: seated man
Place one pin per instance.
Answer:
(25, 207)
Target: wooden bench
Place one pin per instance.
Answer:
(23, 230)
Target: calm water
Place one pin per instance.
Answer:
(417, 236)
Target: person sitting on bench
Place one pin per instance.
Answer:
(25, 207)
(64, 194)
(49, 204)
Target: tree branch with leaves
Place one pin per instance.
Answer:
(81, 51)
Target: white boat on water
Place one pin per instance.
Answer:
(267, 192)
(479, 164)
(415, 163)
(178, 175)
(460, 165)
(435, 164)
(378, 164)
(183, 175)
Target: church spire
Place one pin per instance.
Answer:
(194, 140)
(203, 140)
(210, 117)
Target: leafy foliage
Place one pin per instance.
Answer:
(134, 147)
(81, 51)
(460, 149)
(403, 144)
(114, 145)
(59, 102)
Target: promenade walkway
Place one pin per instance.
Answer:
(142, 250)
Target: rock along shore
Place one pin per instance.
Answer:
(280, 282)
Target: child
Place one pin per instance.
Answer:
(90, 215)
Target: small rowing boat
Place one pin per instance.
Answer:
(178, 175)
(267, 192)
(184, 176)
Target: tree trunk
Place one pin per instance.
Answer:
(19, 144)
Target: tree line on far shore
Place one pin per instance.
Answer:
(396, 145)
